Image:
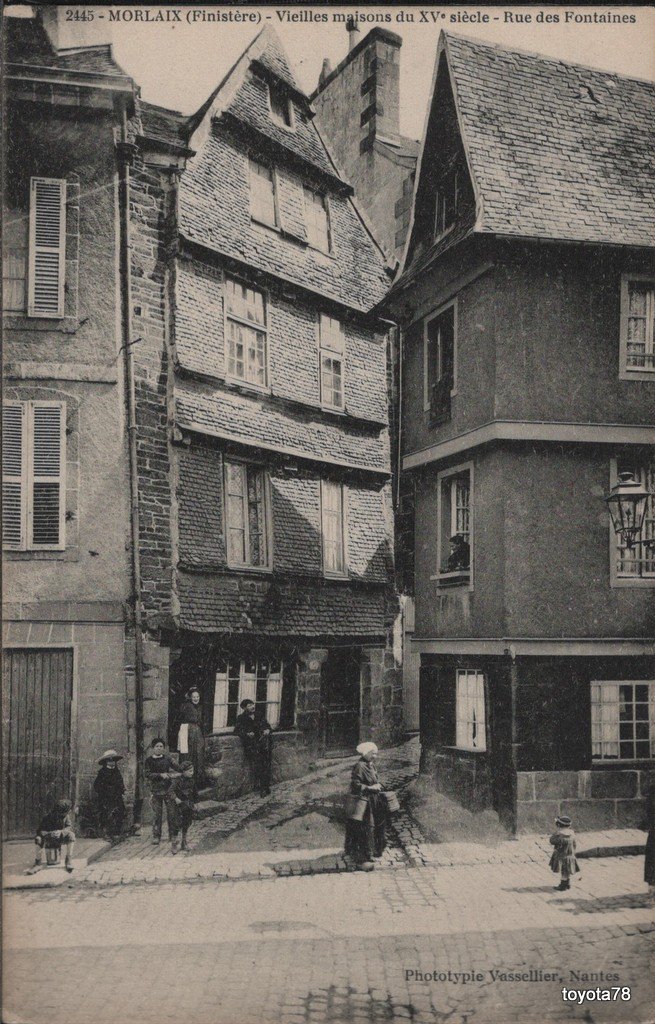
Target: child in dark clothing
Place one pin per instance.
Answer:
(160, 771)
(563, 858)
(55, 830)
(109, 788)
(182, 789)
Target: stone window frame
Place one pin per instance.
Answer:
(619, 579)
(19, 320)
(597, 721)
(70, 551)
(267, 516)
(641, 372)
(460, 577)
(465, 703)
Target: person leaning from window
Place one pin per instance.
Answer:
(190, 737)
(367, 839)
(460, 553)
(255, 734)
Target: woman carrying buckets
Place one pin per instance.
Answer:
(367, 809)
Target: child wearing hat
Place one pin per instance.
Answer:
(182, 791)
(109, 788)
(563, 859)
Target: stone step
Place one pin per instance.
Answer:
(206, 808)
(206, 793)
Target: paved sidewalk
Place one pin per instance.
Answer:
(18, 856)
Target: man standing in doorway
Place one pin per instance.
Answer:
(255, 734)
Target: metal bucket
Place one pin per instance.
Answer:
(355, 807)
(393, 804)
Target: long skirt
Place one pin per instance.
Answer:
(196, 751)
(367, 839)
(567, 864)
(649, 863)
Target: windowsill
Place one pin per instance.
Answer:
(229, 732)
(245, 385)
(633, 582)
(324, 252)
(641, 373)
(465, 750)
(609, 762)
(23, 553)
(333, 409)
(453, 579)
(265, 224)
(336, 577)
(265, 570)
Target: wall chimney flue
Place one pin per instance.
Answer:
(326, 71)
(353, 33)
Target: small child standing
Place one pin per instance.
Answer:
(109, 788)
(182, 789)
(563, 859)
(55, 830)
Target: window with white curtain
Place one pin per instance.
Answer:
(246, 330)
(246, 515)
(469, 711)
(260, 680)
(623, 720)
(638, 562)
(333, 496)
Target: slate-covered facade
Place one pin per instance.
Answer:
(68, 631)
(526, 305)
(261, 387)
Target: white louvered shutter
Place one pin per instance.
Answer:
(45, 516)
(13, 475)
(47, 247)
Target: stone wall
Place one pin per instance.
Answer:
(597, 799)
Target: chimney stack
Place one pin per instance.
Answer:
(65, 35)
(326, 71)
(353, 33)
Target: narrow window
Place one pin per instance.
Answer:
(316, 220)
(332, 351)
(446, 203)
(439, 364)
(263, 206)
(470, 711)
(638, 562)
(246, 333)
(332, 528)
(454, 526)
(14, 262)
(637, 325)
(280, 105)
(623, 720)
(246, 516)
(47, 247)
(33, 473)
(262, 681)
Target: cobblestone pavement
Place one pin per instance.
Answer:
(334, 948)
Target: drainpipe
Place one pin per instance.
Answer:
(125, 153)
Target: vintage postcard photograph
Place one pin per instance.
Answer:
(328, 511)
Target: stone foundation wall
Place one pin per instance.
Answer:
(464, 777)
(291, 758)
(597, 799)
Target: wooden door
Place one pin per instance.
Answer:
(340, 698)
(38, 691)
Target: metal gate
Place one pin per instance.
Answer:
(37, 697)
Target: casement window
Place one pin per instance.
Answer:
(333, 528)
(637, 562)
(47, 248)
(470, 727)
(246, 516)
(332, 357)
(623, 720)
(637, 325)
(446, 202)
(14, 262)
(317, 220)
(263, 202)
(280, 105)
(439, 363)
(455, 525)
(33, 475)
(246, 342)
(262, 681)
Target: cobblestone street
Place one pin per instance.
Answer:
(335, 947)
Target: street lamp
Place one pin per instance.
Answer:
(627, 507)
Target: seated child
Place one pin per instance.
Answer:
(182, 789)
(161, 769)
(563, 858)
(109, 788)
(55, 830)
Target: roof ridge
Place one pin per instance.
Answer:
(544, 57)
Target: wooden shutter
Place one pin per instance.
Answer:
(45, 512)
(47, 247)
(13, 475)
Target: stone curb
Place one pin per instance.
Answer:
(612, 851)
(51, 878)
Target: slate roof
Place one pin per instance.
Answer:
(164, 125)
(209, 604)
(26, 42)
(556, 150)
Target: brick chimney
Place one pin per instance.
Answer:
(66, 35)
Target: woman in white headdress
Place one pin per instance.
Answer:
(367, 839)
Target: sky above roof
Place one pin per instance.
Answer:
(178, 64)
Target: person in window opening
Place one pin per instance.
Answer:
(366, 840)
(256, 738)
(460, 553)
(190, 737)
(109, 788)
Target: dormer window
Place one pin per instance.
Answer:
(280, 106)
(447, 195)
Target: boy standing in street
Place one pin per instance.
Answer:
(182, 790)
(255, 735)
(160, 772)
